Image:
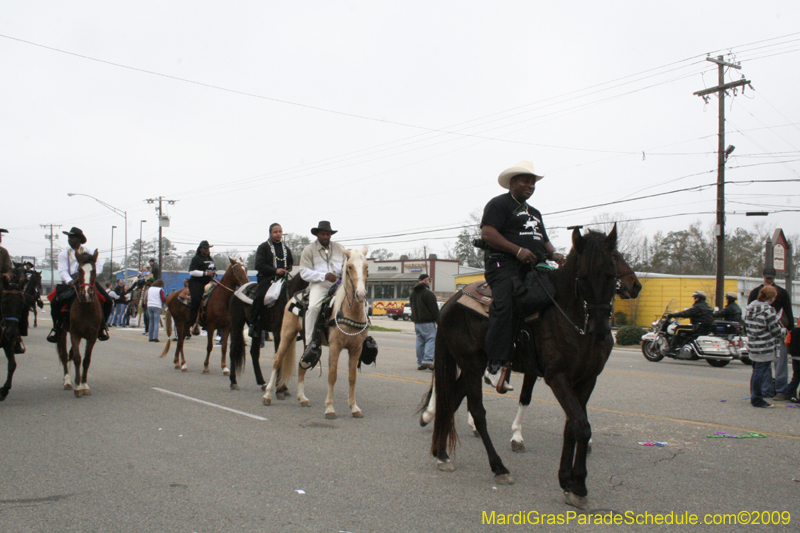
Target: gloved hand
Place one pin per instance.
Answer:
(670, 316)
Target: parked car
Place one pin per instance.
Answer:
(400, 312)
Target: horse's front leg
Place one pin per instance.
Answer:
(12, 366)
(75, 352)
(333, 364)
(209, 346)
(224, 348)
(577, 432)
(353, 373)
(301, 387)
(517, 442)
(87, 360)
(255, 356)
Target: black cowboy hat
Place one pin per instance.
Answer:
(323, 225)
(3, 230)
(77, 232)
(203, 244)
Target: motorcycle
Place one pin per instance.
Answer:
(720, 346)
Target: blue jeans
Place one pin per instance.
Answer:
(761, 370)
(154, 316)
(782, 370)
(426, 340)
(119, 312)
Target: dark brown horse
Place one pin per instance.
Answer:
(271, 320)
(571, 342)
(85, 318)
(12, 308)
(217, 317)
(628, 287)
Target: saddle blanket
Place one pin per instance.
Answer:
(477, 296)
(246, 292)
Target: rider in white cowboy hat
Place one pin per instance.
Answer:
(516, 237)
(321, 266)
(67, 270)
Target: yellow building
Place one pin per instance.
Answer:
(660, 291)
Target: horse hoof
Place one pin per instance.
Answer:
(422, 421)
(226, 371)
(78, 393)
(177, 367)
(87, 391)
(358, 414)
(330, 416)
(306, 403)
(518, 447)
(475, 433)
(206, 371)
(264, 387)
(234, 386)
(279, 396)
(67, 386)
(446, 466)
(184, 368)
(581, 502)
(266, 401)
(504, 479)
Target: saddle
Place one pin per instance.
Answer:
(247, 292)
(185, 297)
(477, 297)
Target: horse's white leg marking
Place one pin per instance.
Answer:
(267, 399)
(471, 423)
(333, 363)
(67, 382)
(301, 389)
(430, 410)
(517, 442)
(354, 409)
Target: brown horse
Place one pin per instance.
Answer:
(347, 332)
(571, 342)
(216, 313)
(628, 287)
(85, 318)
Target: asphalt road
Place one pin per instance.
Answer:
(134, 456)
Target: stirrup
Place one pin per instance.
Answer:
(102, 335)
(53, 335)
(497, 379)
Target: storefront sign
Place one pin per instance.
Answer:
(387, 268)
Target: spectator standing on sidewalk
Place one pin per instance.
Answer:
(425, 315)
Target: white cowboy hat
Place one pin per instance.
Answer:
(523, 167)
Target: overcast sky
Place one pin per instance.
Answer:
(387, 118)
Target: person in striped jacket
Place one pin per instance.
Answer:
(764, 335)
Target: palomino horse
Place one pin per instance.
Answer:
(628, 287)
(271, 320)
(216, 313)
(348, 332)
(85, 318)
(571, 342)
(12, 307)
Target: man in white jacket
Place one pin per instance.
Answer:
(321, 266)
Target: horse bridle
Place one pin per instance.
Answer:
(346, 321)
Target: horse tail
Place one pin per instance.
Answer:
(168, 320)
(286, 350)
(445, 436)
(237, 335)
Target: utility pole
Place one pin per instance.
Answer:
(51, 238)
(161, 223)
(722, 156)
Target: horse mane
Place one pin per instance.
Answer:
(338, 298)
(563, 278)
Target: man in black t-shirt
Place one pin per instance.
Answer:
(516, 236)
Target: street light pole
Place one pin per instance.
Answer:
(120, 212)
(140, 243)
(111, 270)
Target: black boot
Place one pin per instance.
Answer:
(314, 351)
(53, 335)
(102, 335)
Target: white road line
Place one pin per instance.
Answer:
(209, 403)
